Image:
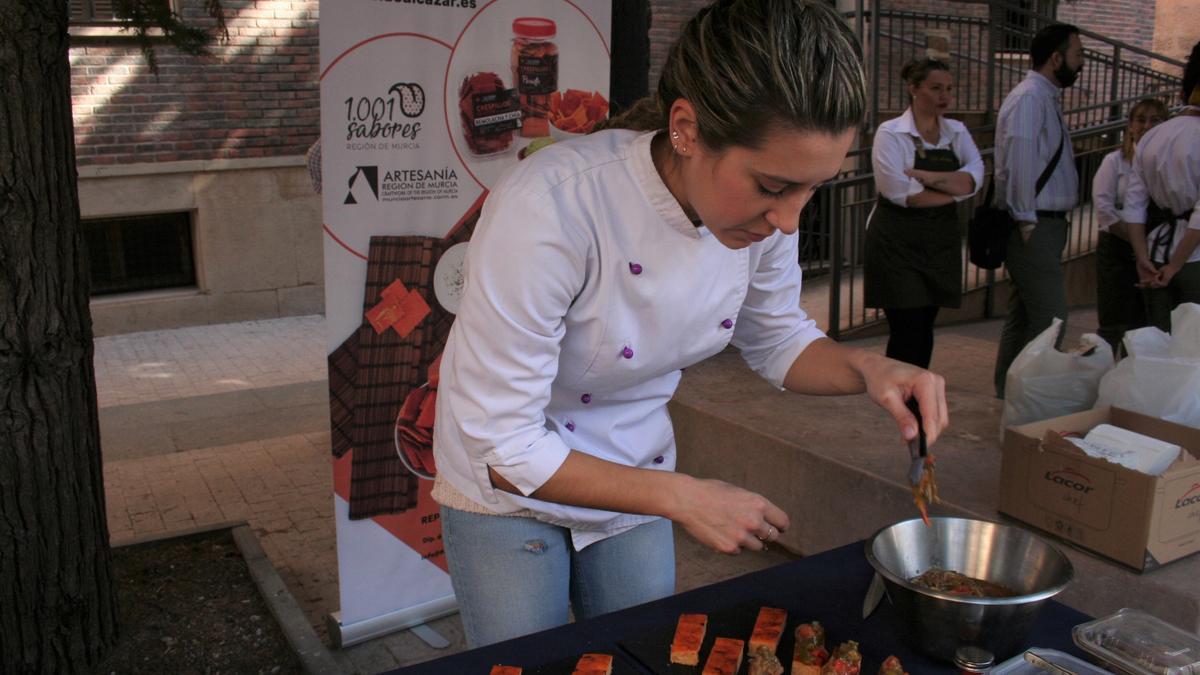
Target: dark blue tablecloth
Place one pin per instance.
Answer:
(828, 587)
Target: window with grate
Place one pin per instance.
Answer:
(140, 253)
(1017, 27)
(101, 12)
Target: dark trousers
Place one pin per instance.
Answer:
(1119, 304)
(1038, 292)
(1184, 287)
(911, 334)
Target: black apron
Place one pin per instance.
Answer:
(914, 256)
(1160, 246)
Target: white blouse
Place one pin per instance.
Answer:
(893, 153)
(1166, 168)
(1108, 189)
(587, 292)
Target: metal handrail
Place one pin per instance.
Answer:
(979, 39)
(833, 228)
(1125, 46)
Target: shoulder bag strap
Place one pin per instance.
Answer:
(1045, 177)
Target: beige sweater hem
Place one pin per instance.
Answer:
(448, 496)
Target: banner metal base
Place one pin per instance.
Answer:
(349, 634)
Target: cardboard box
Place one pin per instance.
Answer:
(1139, 520)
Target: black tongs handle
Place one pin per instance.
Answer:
(915, 409)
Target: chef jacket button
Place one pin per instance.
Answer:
(727, 323)
(627, 352)
(586, 398)
(635, 268)
(659, 460)
(570, 426)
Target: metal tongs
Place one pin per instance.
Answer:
(917, 448)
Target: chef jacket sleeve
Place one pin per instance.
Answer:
(771, 328)
(523, 269)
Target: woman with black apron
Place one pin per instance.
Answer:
(924, 165)
(1119, 303)
(1162, 205)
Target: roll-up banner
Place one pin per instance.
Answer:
(424, 104)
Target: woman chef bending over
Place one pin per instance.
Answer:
(603, 266)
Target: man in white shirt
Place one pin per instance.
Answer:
(1161, 205)
(1037, 183)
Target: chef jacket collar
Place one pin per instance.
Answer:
(656, 190)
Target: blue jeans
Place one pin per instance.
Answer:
(513, 576)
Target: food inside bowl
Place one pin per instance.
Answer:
(999, 553)
(956, 583)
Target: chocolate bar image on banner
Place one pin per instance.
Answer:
(388, 366)
(343, 367)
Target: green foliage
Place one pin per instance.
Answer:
(142, 16)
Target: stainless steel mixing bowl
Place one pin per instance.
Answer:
(939, 623)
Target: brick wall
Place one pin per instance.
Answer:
(667, 17)
(255, 96)
(1129, 21)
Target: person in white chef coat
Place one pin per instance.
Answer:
(1162, 205)
(603, 266)
(1119, 304)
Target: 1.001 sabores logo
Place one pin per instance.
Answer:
(386, 117)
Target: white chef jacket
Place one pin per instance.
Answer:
(587, 290)
(1028, 130)
(893, 153)
(1108, 189)
(1166, 168)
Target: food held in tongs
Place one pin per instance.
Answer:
(921, 472)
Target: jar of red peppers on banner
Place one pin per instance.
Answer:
(489, 112)
(535, 72)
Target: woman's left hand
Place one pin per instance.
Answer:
(890, 383)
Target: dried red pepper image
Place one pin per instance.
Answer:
(489, 113)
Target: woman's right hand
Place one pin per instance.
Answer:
(727, 518)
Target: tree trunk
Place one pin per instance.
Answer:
(57, 605)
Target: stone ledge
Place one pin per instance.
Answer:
(313, 654)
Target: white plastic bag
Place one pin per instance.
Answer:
(1161, 375)
(1044, 382)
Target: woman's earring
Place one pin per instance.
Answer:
(681, 149)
